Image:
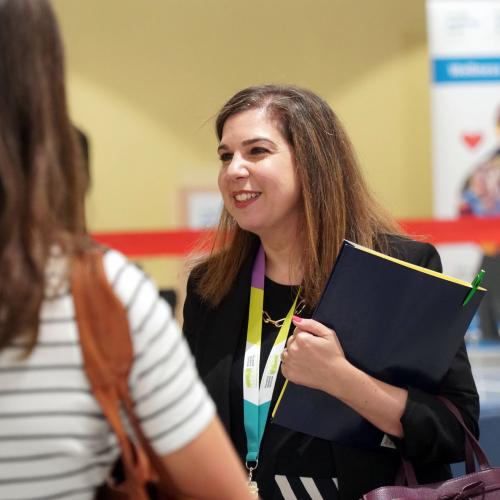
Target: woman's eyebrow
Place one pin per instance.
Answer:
(257, 139)
(247, 142)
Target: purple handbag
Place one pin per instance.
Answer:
(474, 485)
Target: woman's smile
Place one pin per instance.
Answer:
(243, 199)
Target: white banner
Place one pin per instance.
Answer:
(464, 48)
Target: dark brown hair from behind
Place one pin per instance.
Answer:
(41, 184)
(336, 202)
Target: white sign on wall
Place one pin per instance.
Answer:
(464, 48)
(201, 207)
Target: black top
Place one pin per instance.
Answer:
(309, 457)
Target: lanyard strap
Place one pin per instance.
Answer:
(257, 397)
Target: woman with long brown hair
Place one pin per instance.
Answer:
(54, 439)
(292, 191)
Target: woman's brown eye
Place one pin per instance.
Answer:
(258, 151)
(225, 157)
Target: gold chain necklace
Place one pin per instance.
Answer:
(278, 323)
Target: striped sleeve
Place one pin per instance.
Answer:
(170, 400)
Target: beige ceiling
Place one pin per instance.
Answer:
(180, 59)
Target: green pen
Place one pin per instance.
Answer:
(475, 284)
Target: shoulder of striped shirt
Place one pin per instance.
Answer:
(129, 282)
(115, 263)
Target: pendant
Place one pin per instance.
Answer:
(252, 485)
(253, 488)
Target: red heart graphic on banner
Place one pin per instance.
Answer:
(472, 140)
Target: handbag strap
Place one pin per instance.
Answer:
(472, 449)
(107, 356)
(470, 439)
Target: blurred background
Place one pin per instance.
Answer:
(146, 79)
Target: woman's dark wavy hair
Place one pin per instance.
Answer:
(336, 202)
(41, 175)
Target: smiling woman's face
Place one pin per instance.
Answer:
(258, 180)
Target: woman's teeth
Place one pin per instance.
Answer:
(245, 196)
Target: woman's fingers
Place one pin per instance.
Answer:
(311, 326)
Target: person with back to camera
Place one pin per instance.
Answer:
(54, 440)
(292, 191)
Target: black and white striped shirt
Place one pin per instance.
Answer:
(54, 440)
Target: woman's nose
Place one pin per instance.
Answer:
(237, 168)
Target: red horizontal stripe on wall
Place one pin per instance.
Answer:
(178, 243)
(173, 243)
(465, 229)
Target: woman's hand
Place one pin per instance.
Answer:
(312, 355)
(314, 358)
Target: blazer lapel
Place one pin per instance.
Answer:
(222, 332)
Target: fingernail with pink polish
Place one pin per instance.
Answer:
(297, 319)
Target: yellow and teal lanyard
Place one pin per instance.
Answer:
(257, 396)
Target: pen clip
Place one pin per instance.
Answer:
(475, 284)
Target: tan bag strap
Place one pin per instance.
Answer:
(107, 356)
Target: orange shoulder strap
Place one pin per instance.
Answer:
(107, 356)
(107, 351)
(101, 318)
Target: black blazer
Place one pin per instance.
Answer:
(432, 439)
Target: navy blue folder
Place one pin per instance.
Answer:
(398, 322)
